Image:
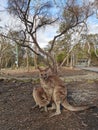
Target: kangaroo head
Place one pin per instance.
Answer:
(44, 73)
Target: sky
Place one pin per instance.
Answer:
(44, 35)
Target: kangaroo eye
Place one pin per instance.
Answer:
(45, 74)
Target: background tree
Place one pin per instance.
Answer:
(7, 56)
(31, 12)
(91, 46)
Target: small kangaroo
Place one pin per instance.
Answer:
(40, 98)
(56, 90)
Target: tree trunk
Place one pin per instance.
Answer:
(67, 61)
(35, 58)
(89, 62)
(0, 64)
(27, 56)
(71, 61)
(17, 56)
(0, 59)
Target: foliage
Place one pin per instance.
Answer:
(60, 57)
(35, 15)
(7, 54)
(94, 58)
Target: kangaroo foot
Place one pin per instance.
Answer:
(55, 114)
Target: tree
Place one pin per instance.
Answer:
(61, 48)
(7, 55)
(19, 51)
(35, 16)
(91, 46)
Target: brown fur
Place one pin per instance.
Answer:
(40, 98)
(56, 90)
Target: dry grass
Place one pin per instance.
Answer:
(17, 71)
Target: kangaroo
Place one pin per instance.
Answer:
(56, 90)
(40, 98)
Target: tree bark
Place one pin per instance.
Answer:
(0, 59)
(35, 58)
(0, 64)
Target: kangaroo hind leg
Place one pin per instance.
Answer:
(58, 111)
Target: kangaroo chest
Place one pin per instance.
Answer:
(47, 87)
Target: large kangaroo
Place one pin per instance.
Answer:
(56, 90)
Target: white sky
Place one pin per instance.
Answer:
(47, 34)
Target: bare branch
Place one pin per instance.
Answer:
(19, 43)
(34, 17)
(74, 21)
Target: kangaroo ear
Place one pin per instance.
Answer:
(38, 68)
(47, 69)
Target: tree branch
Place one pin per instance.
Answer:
(21, 44)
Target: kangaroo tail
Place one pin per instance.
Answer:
(67, 106)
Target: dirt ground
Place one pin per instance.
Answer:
(16, 104)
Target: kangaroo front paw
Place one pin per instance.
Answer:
(34, 106)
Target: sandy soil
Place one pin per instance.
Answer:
(16, 103)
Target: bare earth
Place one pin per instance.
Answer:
(16, 102)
